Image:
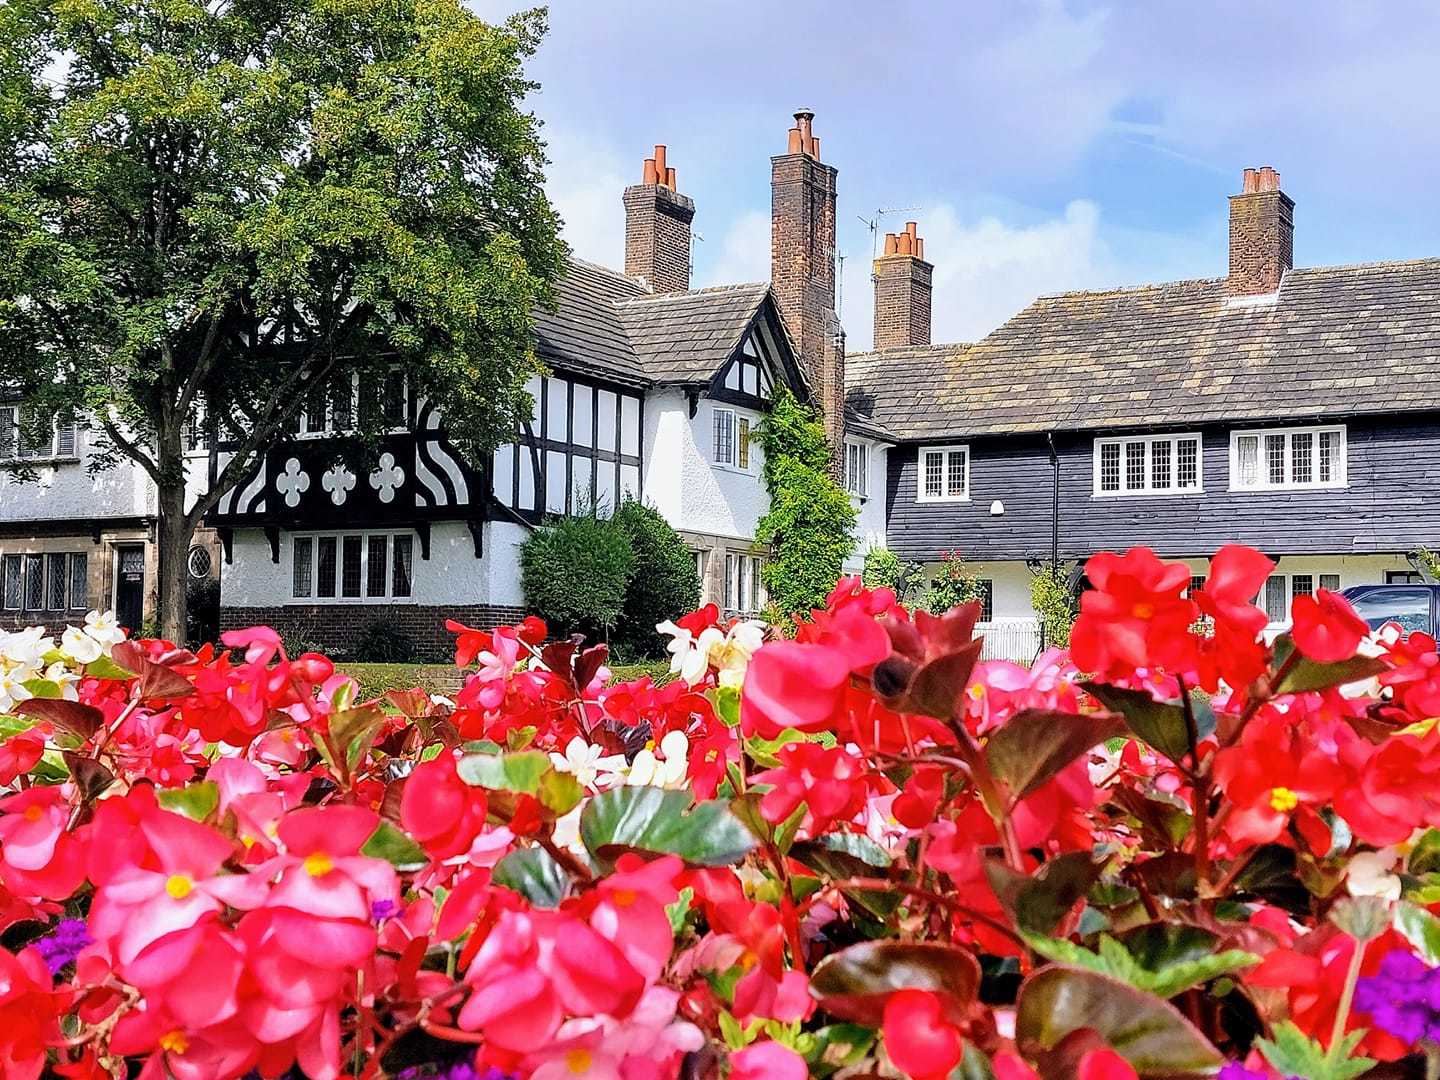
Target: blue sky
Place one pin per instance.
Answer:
(1050, 145)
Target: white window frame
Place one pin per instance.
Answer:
(365, 536)
(69, 560)
(1150, 441)
(736, 421)
(1262, 472)
(944, 496)
(1289, 576)
(743, 582)
(302, 419)
(10, 441)
(857, 481)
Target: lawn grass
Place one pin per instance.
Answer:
(375, 679)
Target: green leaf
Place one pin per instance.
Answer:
(352, 731)
(855, 982)
(726, 700)
(1162, 958)
(528, 772)
(535, 875)
(195, 801)
(1160, 724)
(1421, 929)
(847, 855)
(1148, 1032)
(1037, 903)
(389, 843)
(1035, 744)
(678, 908)
(43, 688)
(1294, 1053)
(1306, 674)
(105, 668)
(838, 1046)
(665, 822)
(766, 751)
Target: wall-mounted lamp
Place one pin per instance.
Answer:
(997, 508)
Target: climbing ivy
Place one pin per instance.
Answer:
(1053, 599)
(811, 521)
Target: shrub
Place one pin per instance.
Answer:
(811, 521)
(1054, 601)
(886, 570)
(954, 583)
(380, 643)
(662, 583)
(202, 610)
(575, 572)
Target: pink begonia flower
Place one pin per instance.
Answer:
(261, 644)
(38, 856)
(631, 911)
(646, 1045)
(767, 1061)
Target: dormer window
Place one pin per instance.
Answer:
(944, 474)
(1148, 465)
(1287, 459)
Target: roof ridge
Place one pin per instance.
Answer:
(910, 350)
(630, 279)
(1119, 289)
(1375, 264)
(707, 290)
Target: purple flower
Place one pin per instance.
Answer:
(460, 1070)
(380, 910)
(1403, 998)
(1236, 1071)
(63, 944)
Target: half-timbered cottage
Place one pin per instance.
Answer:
(1294, 410)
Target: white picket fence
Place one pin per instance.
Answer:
(1010, 639)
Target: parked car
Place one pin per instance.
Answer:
(1413, 607)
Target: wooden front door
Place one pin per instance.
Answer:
(130, 587)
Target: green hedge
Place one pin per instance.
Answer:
(375, 679)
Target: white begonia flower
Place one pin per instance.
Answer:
(585, 762)
(103, 628)
(12, 691)
(689, 656)
(1372, 873)
(668, 771)
(26, 648)
(732, 656)
(67, 680)
(80, 646)
(567, 832)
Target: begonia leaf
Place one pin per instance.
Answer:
(388, 842)
(535, 875)
(1036, 903)
(1035, 744)
(77, 718)
(664, 822)
(855, 983)
(1159, 724)
(1305, 674)
(1149, 1033)
(156, 680)
(91, 777)
(195, 801)
(527, 772)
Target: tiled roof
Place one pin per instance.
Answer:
(686, 337)
(1335, 341)
(605, 323)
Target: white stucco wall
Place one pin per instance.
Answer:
(452, 574)
(681, 479)
(64, 489)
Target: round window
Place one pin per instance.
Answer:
(199, 562)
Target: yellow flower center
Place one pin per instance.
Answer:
(33, 814)
(1283, 800)
(1143, 611)
(650, 745)
(977, 691)
(174, 1042)
(318, 864)
(179, 887)
(623, 897)
(578, 1061)
(247, 842)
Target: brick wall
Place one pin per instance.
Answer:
(339, 629)
(902, 301)
(802, 274)
(1262, 232)
(657, 236)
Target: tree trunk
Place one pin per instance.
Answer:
(176, 531)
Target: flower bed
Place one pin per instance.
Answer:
(862, 851)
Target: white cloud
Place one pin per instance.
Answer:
(585, 180)
(743, 253)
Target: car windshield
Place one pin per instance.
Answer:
(1408, 607)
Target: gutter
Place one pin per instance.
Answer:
(1054, 501)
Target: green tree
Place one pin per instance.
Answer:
(811, 521)
(575, 573)
(1054, 600)
(886, 570)
(663, 583)
(233, 207)
(954, 583)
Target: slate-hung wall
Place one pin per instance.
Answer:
(1390, 504)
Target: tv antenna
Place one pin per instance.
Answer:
(873, 224)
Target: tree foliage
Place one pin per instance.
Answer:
(811, 522)
(238, 206)
(954, 582)
(575, 573)
(663, 581)
(1053, 598)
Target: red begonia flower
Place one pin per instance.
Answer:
(1326, 628)
(917, 1037)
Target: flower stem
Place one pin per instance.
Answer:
(1342, 1014)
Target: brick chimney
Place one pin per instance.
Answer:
(902, 291)
(1262, 233)
(657, 228)
(802, 267)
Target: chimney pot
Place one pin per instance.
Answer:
(670, 179)
(797, 142)
(650, 173)
(907, 243)
(920, 247)
(660, 161)
(910, 228)
(892, 245)
(1250, 182)
(1269, 179)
